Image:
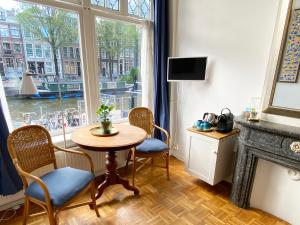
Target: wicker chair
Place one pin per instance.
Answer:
(31, 148)
(143, 117)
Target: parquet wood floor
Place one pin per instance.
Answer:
(182, 200)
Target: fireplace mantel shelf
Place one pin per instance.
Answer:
(261, 140)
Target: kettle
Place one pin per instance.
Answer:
(210, 117)
(225, 121)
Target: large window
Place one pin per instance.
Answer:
(59, 54)
(119, 87)
(56, 104)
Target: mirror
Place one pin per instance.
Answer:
(285, 95)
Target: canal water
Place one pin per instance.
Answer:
(22, 110)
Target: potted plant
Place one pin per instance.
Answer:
(104, 115)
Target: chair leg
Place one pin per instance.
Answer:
(93, 197)
(26, 210)
(133, 167)
(51, 215)
(167, 166)
(128, 159)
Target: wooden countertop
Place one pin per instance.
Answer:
(215, 134)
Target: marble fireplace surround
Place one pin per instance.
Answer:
(261, 140)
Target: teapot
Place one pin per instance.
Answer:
(210, 117)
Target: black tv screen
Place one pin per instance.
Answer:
(192, 68)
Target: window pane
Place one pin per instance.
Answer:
(120, 81)
(141, 8)
(57, 93)
(110, 4)
(15, 32)
(4, 30)
(17, 48)
(38, 51)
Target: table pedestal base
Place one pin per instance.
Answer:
(112, 177)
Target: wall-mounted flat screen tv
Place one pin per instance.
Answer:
(190, 68)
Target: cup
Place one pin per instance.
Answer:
(205, 125)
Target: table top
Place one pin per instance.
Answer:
(128, 137)
(215, 134)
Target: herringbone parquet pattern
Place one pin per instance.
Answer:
(182, 200)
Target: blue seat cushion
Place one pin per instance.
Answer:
(62, 184)
(151, 145)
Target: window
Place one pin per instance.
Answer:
(45, 108)
(49, 68)
(9, 62)
(71, 52)
(29, 51)
(40, 67)
(17, 48)
(72, 68)
(47, 52)
(66, 67)
(77, 53)
(15, 32)
(19, 62)
(109, 4)
(27, 34)
(65, 52)
(113, 37)
(4, 31)
(2, 15)
(38, 51)
(6, 46)
(31, 66)
(140, 8)
(60, 67)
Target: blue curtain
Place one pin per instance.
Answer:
(10, 182)
(161, 52)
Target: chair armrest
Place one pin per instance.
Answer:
(34, 178)
(78, 153)
(165, 132)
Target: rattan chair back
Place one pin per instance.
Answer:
(142, 117)
(31, 147)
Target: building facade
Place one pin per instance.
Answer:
(12, 57)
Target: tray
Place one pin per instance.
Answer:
(98, 131)
(207, 130)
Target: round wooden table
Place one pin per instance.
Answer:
(128, 137)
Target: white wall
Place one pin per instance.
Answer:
(236, 36)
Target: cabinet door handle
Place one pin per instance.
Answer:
(295, 146)
(215, 152)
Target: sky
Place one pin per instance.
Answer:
(8, 4)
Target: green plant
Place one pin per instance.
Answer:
(104, 112)
(132, 77)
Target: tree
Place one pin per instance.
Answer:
(54, 26)
(114, 37)
(132, 77)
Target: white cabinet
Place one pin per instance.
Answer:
(210, 155)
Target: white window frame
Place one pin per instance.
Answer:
(87, 38)
(32, 56)
(41, 49)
